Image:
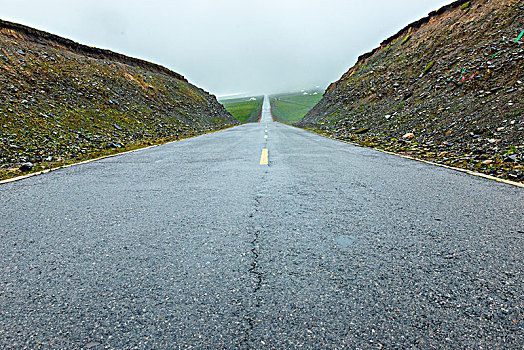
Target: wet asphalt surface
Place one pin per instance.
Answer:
(195, 243)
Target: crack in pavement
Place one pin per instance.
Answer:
(256, 275)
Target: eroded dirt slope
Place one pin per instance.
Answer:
(447, 88)
(62, 102)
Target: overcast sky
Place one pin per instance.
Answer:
(230, 46)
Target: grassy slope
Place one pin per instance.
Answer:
(60, 105)
(414, 84)
(243, 109)
(289, 108)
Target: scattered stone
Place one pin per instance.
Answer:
(28, 166)
(115, 145)
(515, 174)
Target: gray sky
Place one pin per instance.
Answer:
(230, 46)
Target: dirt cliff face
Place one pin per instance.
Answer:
(448, 88)
(63, 102)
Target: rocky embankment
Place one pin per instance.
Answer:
(63, 102)
(447, 88)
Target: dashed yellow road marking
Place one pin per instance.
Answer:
(265, 136)
(264, 158)
(266, 130)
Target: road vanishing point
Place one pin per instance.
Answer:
(260, 236)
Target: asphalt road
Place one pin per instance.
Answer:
(195, 243)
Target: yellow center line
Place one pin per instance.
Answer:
(266, 130)
(264, 158)
(265, 136)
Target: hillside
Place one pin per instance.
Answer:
(447, 88)
(62, 102)
(292, 107)
(245, 109)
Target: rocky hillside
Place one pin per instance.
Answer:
(62, 102)
(447, 88)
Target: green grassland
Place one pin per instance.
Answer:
(245, 110)
(291, 108)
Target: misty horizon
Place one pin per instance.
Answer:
(231, 47)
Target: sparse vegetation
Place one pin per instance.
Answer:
(429, 66)
(455, 87)
(61, 106)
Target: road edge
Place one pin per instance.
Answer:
(465, 171)
(22, 177)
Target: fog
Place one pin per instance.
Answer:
(231, 46)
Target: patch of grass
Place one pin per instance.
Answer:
(361, 131)
(245, 110)
(429, 66)
(290, 108)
